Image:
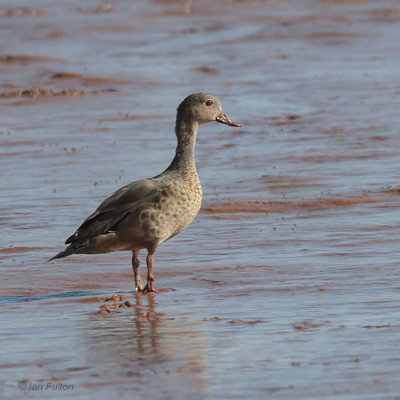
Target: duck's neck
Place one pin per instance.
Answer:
(186, 131)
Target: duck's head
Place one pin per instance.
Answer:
(202, 108)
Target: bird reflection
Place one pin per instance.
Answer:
(146, 320)
(138, 342)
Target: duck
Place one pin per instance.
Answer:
(147, 212)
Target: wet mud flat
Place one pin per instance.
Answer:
(287, 284)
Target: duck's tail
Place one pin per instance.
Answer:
(65, 253)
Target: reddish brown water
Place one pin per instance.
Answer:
(287, 284)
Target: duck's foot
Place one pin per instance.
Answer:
(148, 289)
(155, 290)
(139, 289)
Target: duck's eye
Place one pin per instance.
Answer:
(209, 103)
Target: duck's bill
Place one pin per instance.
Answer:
(225, 120)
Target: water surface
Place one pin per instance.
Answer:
(287, 284)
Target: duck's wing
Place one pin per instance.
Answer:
(116, 208)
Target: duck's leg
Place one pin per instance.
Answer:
(150, 276)
(136, 271)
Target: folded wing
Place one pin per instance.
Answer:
(115, 208)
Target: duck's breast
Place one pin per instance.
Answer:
(166, 214)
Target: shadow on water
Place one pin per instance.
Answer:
(73, 293)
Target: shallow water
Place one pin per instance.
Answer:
(287, 284)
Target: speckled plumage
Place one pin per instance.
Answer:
(146, 213)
